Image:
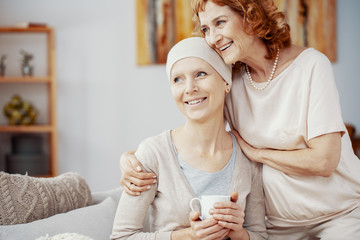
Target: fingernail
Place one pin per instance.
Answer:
(155, 181)
(138, 168)
(148, 187)
(211, 211)
(137, 193)
(154, 176)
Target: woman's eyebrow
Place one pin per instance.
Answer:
(214, 20)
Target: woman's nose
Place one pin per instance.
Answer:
(213, 37)
(191, 87)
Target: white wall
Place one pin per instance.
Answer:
(347, 68)
(107, 104)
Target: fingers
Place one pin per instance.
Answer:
(234, 197)
(218, 213)
(132, 170)
(235, 226)
(227, 205)
(194, 216)
(133, 181)
(136, 185)
(127, 189)
(208, 229)
(132, 189)
(229, 214)
(134, 163)
(141, 179)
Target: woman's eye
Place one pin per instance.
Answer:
(220, 22)
(176, 80)
(204, 30)
(201, 74)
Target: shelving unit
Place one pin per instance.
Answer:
(50, 128)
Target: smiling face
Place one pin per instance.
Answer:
(223, 29)
(198, 89)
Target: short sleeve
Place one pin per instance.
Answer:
(324, 112)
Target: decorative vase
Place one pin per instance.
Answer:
(27, 70)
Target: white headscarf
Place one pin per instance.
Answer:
(197, 47)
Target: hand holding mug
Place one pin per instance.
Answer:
(206, 229)
(206, 203)
(231, 216)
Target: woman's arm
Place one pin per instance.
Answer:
(133, 180)
(320, 158)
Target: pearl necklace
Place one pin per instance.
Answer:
(259, 89)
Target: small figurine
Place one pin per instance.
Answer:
(2, 65)
(26, 67)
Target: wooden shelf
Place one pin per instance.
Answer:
(50, 79)
(25, 30)
(27, 129)
(25, 79)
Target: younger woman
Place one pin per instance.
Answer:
(197, 158)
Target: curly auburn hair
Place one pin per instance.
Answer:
(261, 18)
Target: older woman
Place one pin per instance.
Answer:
(198, 158)
(285, 106)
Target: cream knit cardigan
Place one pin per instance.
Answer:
(168, 200)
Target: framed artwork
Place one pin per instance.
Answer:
(312, 23)
(160, 25)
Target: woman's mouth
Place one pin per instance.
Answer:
(195, 101)
(226, 46)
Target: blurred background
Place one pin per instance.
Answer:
(106, 102)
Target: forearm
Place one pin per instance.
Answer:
(319, 159)
(185, 234)
(141, 235)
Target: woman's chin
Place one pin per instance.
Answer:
(229, 60)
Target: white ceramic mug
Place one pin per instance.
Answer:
(207, 202)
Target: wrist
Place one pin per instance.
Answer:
(186, 234)
(262, 155)
(240, 235)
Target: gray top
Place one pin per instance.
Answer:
(209, 183)
(168, 200)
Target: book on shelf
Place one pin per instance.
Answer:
(30, 25)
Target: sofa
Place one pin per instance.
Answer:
(93, 220)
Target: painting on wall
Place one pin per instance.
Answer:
(312, 23)
(160, 25)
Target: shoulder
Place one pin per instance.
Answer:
(312, 57)
(151, 149)
(155, 141)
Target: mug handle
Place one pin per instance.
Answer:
(192, 201)
(191, 204)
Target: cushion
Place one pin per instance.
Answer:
(94, 221)
(65, 236)
(115, 194)
(25, 199)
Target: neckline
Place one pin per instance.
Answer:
(182, 175)
(280, 74)
(232, 156)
